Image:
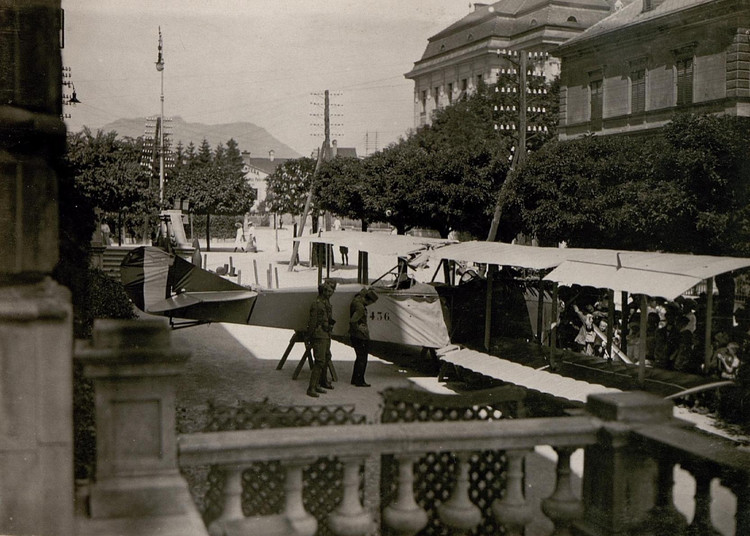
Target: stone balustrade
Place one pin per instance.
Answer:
(631, 445)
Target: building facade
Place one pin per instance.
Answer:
(469, 52)
(634, 70)
(257, 170)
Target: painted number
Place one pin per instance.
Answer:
(379, 315)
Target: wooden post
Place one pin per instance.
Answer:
(365, 268)
(255, 270)
(707, 348)
(276, 272)
(540, 310)
(642, 341)
(269, 277)
(624, 327)
(488, 307)
(554, 321)
(610, 322)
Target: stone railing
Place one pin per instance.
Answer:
(631, 444)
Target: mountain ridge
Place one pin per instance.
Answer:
(249, 136)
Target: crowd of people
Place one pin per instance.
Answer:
(674, 338)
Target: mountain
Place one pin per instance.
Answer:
(248, 136)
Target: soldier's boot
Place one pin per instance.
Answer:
(314, 380)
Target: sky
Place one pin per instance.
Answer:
(263, 61)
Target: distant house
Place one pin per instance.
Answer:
(344, 152)
(634, 70)
(467, 53)
(257, 169)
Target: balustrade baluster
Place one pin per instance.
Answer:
(663, 518)
(404, 516)
(701, 524)
(232, 501)
(563, 507)
(294, 509)
(740, 486)
(512, 510)
(458, 512)
(350, 518)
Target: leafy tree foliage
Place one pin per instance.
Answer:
(342, 188)
(288, 186)
(212, 182)
(684, 189)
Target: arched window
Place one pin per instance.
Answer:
(572, 19)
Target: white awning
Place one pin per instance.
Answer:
(664, 275)
(377, 243)
(507, 371)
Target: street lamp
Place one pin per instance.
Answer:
(160, 68)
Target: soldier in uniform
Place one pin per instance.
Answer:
(360, 334)
(319, 327)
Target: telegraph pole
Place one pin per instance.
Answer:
(322, 156)
(520, 153)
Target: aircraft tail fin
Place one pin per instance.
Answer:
(150, 275)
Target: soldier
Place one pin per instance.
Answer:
(319, 327)
(360, 334)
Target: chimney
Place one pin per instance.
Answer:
(271, 155)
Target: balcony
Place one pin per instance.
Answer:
(630, 441)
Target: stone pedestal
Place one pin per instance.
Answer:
(36, 410)
(134, 369)
(620, 483)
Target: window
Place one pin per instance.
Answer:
(572, 19)
(684, 81)
(437, 96)
(595, 89)
(637, 91)
(464, 88)
(424, 100)
(450, 93)
(480, 79)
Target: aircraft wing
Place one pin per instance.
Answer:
(186, 299)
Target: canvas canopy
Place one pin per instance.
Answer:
(376, 243)
(665, 275)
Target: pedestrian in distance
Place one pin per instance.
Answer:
(360, 334)
(239, 238)
(319, 327)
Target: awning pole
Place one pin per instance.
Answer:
(610, 322)
(642, 341)
(554, 320)
(540, 310)
(707, 348)
(488, 306)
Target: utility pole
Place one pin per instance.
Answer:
(519, 59)
(322, 156)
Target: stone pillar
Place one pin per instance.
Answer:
(619, 482)
(36, 422)
(134, 369)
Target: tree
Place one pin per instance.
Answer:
(213, 183)
(288, 186)
(342, 188)
(106, 171)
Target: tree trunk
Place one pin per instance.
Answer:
(208, 232)
(364, 226)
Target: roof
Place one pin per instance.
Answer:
(266, 165)
(346, 152)
(631, 15)
(509, 18)
(377, 243)
(665, 275)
